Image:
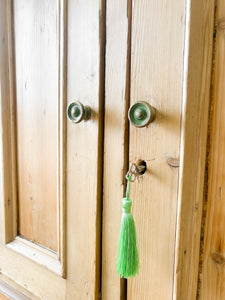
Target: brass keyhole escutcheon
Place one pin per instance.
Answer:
(77, 112)
(141, 114)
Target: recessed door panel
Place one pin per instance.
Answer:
(36, 65)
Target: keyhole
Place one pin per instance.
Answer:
(142, 167)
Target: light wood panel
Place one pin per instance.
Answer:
(36, 56)
(86, 21)
(115, 140)
(195, 110)
(156, 77)
(213, 257)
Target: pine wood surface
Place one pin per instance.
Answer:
(115, 141)
(194, 128)
(84, 148)
(156, 77)
(3, 297)
(167, 202)
(82, 81)
(14, 291)
(36, 56)
(212, 273)
(7, 118)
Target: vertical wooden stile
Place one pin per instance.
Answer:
(8, 119)
(62, 132)
(195, 111)
(85, 75)
(211, 285)
(117, 94)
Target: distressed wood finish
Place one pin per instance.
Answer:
(195, 110)
(36, 56)
(83, 78)
(7, 292)
(156, 77)
(212, 274)
(115, 140)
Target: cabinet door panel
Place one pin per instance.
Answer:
(37, 107)
(156, 77)
(51, 55)
(170, 44)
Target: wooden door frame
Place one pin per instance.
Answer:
(194, 132)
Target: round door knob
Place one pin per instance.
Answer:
(141, 114)
(77, 112)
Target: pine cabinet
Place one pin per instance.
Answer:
(62, 183)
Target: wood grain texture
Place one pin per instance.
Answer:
(8, 190)
(84, 81)
(195, 110)
(85, 77)
(212, 276)
(115, 140)
(36, 54)
(14, 288)
(7, 292)
(62, 136)
(38, 280)
(156, 77)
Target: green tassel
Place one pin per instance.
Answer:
(127, 259)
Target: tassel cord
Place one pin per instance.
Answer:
(128, 177)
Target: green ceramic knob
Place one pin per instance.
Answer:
(141, 114)
(77, 112)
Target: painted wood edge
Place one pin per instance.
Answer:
(36, 253)
(13, 293)
(15, 287)
(30, 277)
(195, 112)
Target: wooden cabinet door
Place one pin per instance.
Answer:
(50, 168)
(159, 52)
